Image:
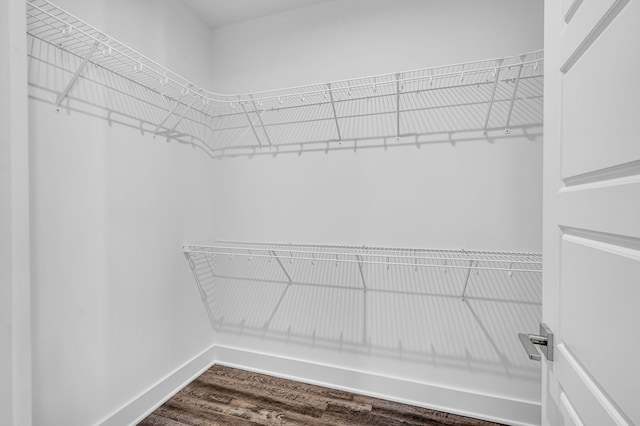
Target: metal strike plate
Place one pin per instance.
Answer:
(544, 341)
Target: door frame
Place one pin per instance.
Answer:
(15, 264)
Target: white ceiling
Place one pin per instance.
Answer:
(223, 12)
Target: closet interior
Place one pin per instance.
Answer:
(414, 323)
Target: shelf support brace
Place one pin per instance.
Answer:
(398, 106)
(333, 107)
(159, 126)
(82, 66)
(364, 300)
(507, 130)
(254, 132)
(264, 129)
(203, 295)
(170, 132)
(281, 265)
(466, 280)
(364, 283)
(493, 96)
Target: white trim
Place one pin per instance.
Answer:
(144, 404)
(15, 266)
(572, 411)
(603, 246)
(592, 386)
(456, 401)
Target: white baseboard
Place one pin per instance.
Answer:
(457, 401)
(144, 404)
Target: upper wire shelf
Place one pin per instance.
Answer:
(493, 94)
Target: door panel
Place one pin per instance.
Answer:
(612, 211)
(592, 212)
(590, 19)
(600, 279)
(582, 394)
(603, 87)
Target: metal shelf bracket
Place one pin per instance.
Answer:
(71, 82)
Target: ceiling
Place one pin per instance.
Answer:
(223, 12)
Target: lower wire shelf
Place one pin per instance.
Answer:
(306, 264)
(368, 298)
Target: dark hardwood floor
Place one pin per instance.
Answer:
(228, 396)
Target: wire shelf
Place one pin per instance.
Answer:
(364, 298)
(486, 95)
(406, 257)
(463, 275)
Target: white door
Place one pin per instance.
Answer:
(591, 290)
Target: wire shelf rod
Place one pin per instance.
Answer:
(506, 58)
(331, 118)
(335, 89)
(373, 248)
(367, 253)
(356, 261)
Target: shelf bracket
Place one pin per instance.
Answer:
(493, 95)
(264, 129)
(273, 253)
(252, 128)
(466, 280)
(364, 283)
(507, 130)
(333, 107)
(159, 126)
(203, 294)
(398, 106)
(82, 66)
(168, 133)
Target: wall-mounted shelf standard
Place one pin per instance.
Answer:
(480, 96)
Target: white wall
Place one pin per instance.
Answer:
(476, 194)
(15, 299)
(114, 306)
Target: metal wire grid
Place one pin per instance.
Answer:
(405, 257)
(481, 95)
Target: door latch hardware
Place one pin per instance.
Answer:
(544, 341)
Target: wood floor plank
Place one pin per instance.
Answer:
(227, 396)
(419, 415)
(203, 389)
(298, 387)
(256, 400)
(289, 393)
(157, 420)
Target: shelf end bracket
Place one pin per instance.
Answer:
(466, 280)
(264, 129)
(507, 129)
(493, 95)
(159, 126)
(82, 66)
(364, 283)
(273, 253)
(333, 108)
(252, 129)
(398, 106)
